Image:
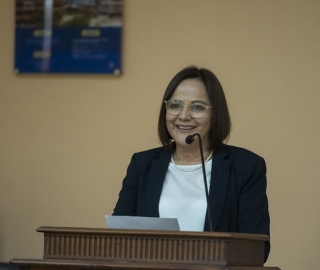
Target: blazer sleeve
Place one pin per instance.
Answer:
(253, 215)
(127, 201)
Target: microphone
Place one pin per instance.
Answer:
(189, 140)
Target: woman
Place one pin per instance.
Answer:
(168, 181)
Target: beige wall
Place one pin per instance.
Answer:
(66, 140)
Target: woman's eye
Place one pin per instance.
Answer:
(175, 105)
(198, 107)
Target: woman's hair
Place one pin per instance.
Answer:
(221, 122)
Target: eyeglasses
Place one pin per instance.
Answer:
(197, 109)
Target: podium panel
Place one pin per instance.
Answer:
(81, 248)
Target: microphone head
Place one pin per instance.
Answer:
(189, 139)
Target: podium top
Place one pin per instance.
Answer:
(171, 234)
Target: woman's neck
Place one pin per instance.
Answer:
(189, 155)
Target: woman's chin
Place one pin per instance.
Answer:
(181, 141)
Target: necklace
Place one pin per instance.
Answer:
(189, 170)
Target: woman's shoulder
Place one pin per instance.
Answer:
(245, 161)
(151, 151)
(151, 154)
(242, 154)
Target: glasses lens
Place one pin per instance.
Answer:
(174, 107)
(197, 109)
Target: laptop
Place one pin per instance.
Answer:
(142, 223)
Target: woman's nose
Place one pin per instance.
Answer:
(185, 113)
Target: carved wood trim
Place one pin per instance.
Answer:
(155, 246)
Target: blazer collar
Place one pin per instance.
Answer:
(156, 177)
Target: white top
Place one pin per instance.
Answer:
(183, 196)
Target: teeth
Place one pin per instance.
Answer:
(185, 128)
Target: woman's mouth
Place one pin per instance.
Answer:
(185, 128)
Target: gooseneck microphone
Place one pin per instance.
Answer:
(189, 140)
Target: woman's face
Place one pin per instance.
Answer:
(184, 124)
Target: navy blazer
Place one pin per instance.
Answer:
(237, 194)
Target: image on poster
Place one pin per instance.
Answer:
(68, 36)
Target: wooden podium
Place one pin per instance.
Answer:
(83, 248)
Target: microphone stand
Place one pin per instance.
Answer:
(189, 140)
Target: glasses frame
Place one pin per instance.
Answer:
(185, 105)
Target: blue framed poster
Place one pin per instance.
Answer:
(68, 36)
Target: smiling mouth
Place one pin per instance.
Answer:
(185, 128)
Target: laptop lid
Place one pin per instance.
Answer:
(142, 223)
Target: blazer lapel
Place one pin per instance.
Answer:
(155, 181)
(218, 187)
